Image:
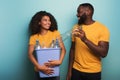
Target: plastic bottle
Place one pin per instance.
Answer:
(66, 35)
(37, 46)
(56, 44)
(52, 44)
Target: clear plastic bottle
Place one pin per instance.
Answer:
(70, 32)
(76, 30)
(37, 46)
(52, 44)
(56, 44)
(66, 35)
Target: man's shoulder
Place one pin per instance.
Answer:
(101, 24)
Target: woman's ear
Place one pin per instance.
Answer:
(39, 23)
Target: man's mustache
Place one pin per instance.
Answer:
(82, 19)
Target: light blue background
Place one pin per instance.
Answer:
(14, 19)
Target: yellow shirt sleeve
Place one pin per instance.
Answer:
(105, 35)
(57, 34)
(32, 40)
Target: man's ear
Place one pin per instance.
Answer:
(88, 12)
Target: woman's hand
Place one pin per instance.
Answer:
(52, 63)
(45, 69)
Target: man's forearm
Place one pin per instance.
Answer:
(101, 49)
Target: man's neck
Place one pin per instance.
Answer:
(89, 21)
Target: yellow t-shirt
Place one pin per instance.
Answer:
(44, 40)
(85, 60)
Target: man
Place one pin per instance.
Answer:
(89, 45)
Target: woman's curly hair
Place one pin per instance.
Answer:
(34, 27)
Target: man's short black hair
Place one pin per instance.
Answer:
(87, 5)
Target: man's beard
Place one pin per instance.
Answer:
(82, 19)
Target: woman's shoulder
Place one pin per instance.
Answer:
(34, 36)
(55, 32)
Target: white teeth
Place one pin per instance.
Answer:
(78, 18)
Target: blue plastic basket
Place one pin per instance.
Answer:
(43, 55)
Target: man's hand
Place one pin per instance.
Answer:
(80, 33)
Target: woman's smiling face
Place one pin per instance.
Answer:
(45, 22)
